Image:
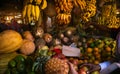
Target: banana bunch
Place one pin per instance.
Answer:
(63, 6)
(108, 16)
(63, 9)
(31, 10)
(87, 8)
(91, 1)
(80, 3)
(113, 22)
(106, 10)
(91, 9)
(63, 18)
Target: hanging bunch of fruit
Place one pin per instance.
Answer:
(63, 9)
(32, 9)
(87, 8)
(108, 16)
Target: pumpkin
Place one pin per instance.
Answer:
(10, 41)
(28, 47)
(28, 35)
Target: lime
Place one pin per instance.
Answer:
(92, 45)
(32, 72)
(21, 66)
(19, 58)
(14, 71)
(12, 63)
(8, 71)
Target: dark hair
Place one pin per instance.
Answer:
(114, 32)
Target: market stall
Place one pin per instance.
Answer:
(46, 36)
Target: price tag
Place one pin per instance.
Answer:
(70, 51)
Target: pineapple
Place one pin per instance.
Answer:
(56, 66)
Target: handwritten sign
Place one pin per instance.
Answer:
(70, 51)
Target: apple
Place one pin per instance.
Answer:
(83, 70)
(95, 72)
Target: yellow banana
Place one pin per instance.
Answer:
(37, 12)
(24, 11)
(29, 12)
(64, 2)
(75, 3)
(30, 1)
(44, 4)
(38, 2)
(33, 11)
(81, 4)
(62, 7)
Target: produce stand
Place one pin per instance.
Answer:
(42, 36)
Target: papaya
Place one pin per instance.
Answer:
(10, 41)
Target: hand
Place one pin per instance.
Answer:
(72, 69)
(91, 67)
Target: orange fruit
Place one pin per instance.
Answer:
(96, 49)
(96, 62)
(98, 56)
(89, 50)
(96, 53)
(85, 61)
(80, 61)
(108, 49)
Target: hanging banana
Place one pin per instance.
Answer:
(63, 9)
(37, 12)
(24, 11)
(44, 4)
(33, 14)
(31, 11)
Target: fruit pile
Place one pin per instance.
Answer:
(18, 65)
(97, 50)
(44, 49)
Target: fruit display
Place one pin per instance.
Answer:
(10, 41)
(97, 50)
(32, 10)
(41, 51)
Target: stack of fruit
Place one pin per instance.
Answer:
(97, 50)
(11, 41)
(18, 65)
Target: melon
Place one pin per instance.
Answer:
(10, 41)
